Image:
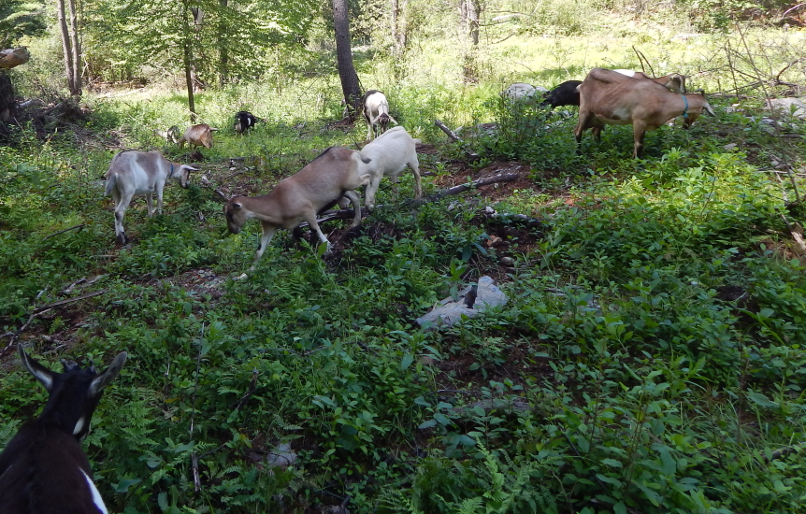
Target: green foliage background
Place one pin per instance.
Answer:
(650, 357)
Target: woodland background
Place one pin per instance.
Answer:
(650, 358)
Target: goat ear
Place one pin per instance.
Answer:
(109, 375)
(236, 205)
(40, 372)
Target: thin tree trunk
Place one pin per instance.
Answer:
(344, 54)
(473, 15)
(188, 62)
(68, 53)
(399, 28)
(223, 64)
(189, 81)
(76, 44)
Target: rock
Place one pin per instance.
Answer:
(729, 148)
(281, 457)
(507, 261)
(789, 105)
(450, 311)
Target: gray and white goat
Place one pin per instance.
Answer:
(135, 173)
(337, 172)
(376, 112)
(389, 154)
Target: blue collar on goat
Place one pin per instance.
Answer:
(685, 109)
(43, 468)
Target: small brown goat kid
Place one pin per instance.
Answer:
(198, 135)
(335, 173)
(610, 98)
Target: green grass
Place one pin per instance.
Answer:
(650, 357)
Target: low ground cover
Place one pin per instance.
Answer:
(650, 357)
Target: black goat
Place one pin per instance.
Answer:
(43, 469)
(564, 94)
(245, 120)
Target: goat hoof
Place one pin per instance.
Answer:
(122, 239)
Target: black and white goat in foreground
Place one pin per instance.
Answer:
(136, 173)
(389, 153)
(43, 469)
(244, 121)
(335, 173)
(376, 112)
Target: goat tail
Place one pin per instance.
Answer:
(110, 183)
(417, 141)
(708, 109)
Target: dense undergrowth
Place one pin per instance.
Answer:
(650, 358)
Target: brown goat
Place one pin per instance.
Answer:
(610, 98)
(335, 173)
(198, 135)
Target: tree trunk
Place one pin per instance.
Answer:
(471, 13)
(223, 63)
(344, 54)
(68, 53)
(187, 56)
(8, 104)
(474, 10)
(399, 27)
(76, 44)
(189, 81)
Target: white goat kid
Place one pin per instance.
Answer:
(135, 173)
(376, 112)
(389, 154)
(337, 172)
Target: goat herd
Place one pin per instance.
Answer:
(605, 97)
(43, 469)
(621, 97)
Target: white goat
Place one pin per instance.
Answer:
(376, 112)
(389, 153)
(135, 173)
(335, 173)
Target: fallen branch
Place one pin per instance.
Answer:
(451, 133)
(508, 177)
(67, 301)
(41, 310)
(63, 231)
